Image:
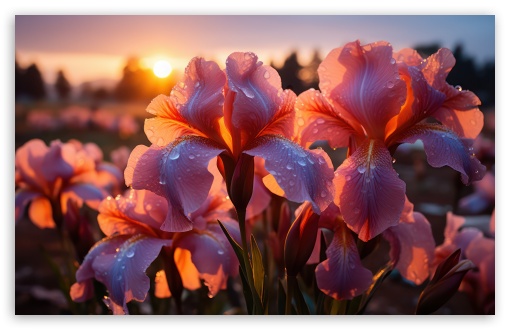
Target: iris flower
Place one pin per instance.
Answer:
(134, 240)
(372, 100)
(48, 177)
(236, 114)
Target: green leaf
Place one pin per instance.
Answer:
(246, 291)
(237, 248)
(258, 267)
(377, 280)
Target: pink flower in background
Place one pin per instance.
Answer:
(372, 100)
(134, 239)
(482, 198)
(105, 119)
(42, 120)
(127, 125)
(46, 177)
(480, 283)
(76, 117)
(120, 157)
(236, 114)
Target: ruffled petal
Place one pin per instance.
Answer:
(28, 160)
(212, 254)
(459, 111)
(40, 212)
(481, 251)
(21, 200)
(341, 275)
(304, 175)
(199, 96)
(140, 212)
(168, 124)
(178, 172)
(123, 273)
(369, 193)
(422, 100)
(82, 192)
(412, 248)
(258, 97)
(282, 122)
(368, 85)
(85, 273)
(58, 161)
(318, 120)
(443, 147)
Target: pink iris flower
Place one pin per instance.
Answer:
(237, 114)
(134, 240)
(47, 177)
(372, 100)
(342, 275)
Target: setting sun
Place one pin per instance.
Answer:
(162, 69)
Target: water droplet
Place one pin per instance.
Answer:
(392, 61)
(315, 131)
(321, 160)
(372, 166)
(301, 121)
(174, 154)
(162, 181)
(119, 277)
(197, 84)
(191, 156)
(220, 252)
(323, 193)
(117, 250)
(148, 207)
(347, 177)
(473, 122)
(367, 180)
(301, 162)
(362, 169)
(248, 56)
(320, 121)
(310, 161)
(210, 295)
(393, 160)
(291, 182)
(149, 133)
(459, 88)
(130, 253)
(289, 166)
(266, 75)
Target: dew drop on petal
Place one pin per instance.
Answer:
(301, 121)
(323, 193)
(289, 167)
(291, 182)
(362, 169)
(220, 252)
(191, 156)
(347, 177)
(390, 84)
(320, 121)
(459, 88)
(393, 160)
(301, 162)
(174, 154)
(392, 61)
(130, 253)
(315, 131)
(266, 75)
(473, 122)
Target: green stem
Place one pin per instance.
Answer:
(257, 305)
(291, 283)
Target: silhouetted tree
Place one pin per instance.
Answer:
(33, 83)
(289, 74)
(62, 86)
(309, 74)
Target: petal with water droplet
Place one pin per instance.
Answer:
(341, 275)
(369, 207)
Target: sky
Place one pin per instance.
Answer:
(97, 47)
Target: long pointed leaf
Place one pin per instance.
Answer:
(258, 267)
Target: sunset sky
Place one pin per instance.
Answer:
(90, 48)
